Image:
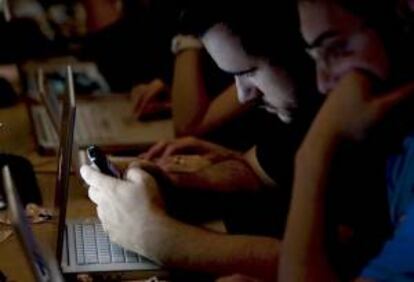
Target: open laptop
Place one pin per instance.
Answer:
(83, 246)
(43, 264)
(105, 121)
(54, 112)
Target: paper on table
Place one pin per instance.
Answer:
(35, 214)
(5, 234)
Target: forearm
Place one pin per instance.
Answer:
(224, 108)
(250, 157)
(304, 256)
(189, 97)
(195, 249)
(223, 177)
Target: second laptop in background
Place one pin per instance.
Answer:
(105, 121)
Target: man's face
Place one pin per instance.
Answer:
(255, 78)
(339, 42)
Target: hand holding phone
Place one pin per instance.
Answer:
(100, 161)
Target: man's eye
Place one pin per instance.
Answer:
(338, 50)
(249, 74)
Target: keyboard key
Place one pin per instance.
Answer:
(93, 246)
(130, 256)
(91, 259)
(103, 245)
(89, 244)
(117, 253)
(80, 257)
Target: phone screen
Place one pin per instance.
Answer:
(101, 162)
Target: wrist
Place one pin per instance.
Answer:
(182, 43)
(318, 148)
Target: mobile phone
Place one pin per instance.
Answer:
(97, 158)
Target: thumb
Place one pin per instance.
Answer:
(397, 96)
(97, 179)
(136, 175)
(144, 102)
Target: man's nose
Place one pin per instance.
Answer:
(325, 79)
(246, 91)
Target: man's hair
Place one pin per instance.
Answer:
(266, 29)
(374, 13)
(383, 17)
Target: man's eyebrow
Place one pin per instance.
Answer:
(321, 39)
(239, 73)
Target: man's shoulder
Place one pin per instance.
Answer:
(400, 178)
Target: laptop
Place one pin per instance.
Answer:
(105, 121)
(43, 264)
(54, 112)
(83, 246)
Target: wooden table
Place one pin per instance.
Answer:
(16, 138)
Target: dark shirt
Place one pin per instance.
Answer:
(356, 194)
(396, 260)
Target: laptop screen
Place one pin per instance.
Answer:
(64, 159)
(50, 101)
(43, 265)
(54, 112)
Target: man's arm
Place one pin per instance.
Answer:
(222, 109)
(197, 164)
(236, 173)
(304, 256)
(193, 112)
(132, 212)
(195, 249)
(233, 173)
(251, 159)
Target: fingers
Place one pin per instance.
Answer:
(101, 215)
(183, 145)
(121, 163)
(185, 163)
(145, 94)
(96, 179)
(155, 151)
(397, 96)
(94, 195)
(175, 147)
(137, 95)
(135, 174)
(355, 82)
(163, 150)
(147, 166)
(146, 99)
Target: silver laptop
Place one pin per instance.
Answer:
(105, 121)
(83, 246)
(43, 264)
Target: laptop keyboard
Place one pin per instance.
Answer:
(94, 123)
(94, 247)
